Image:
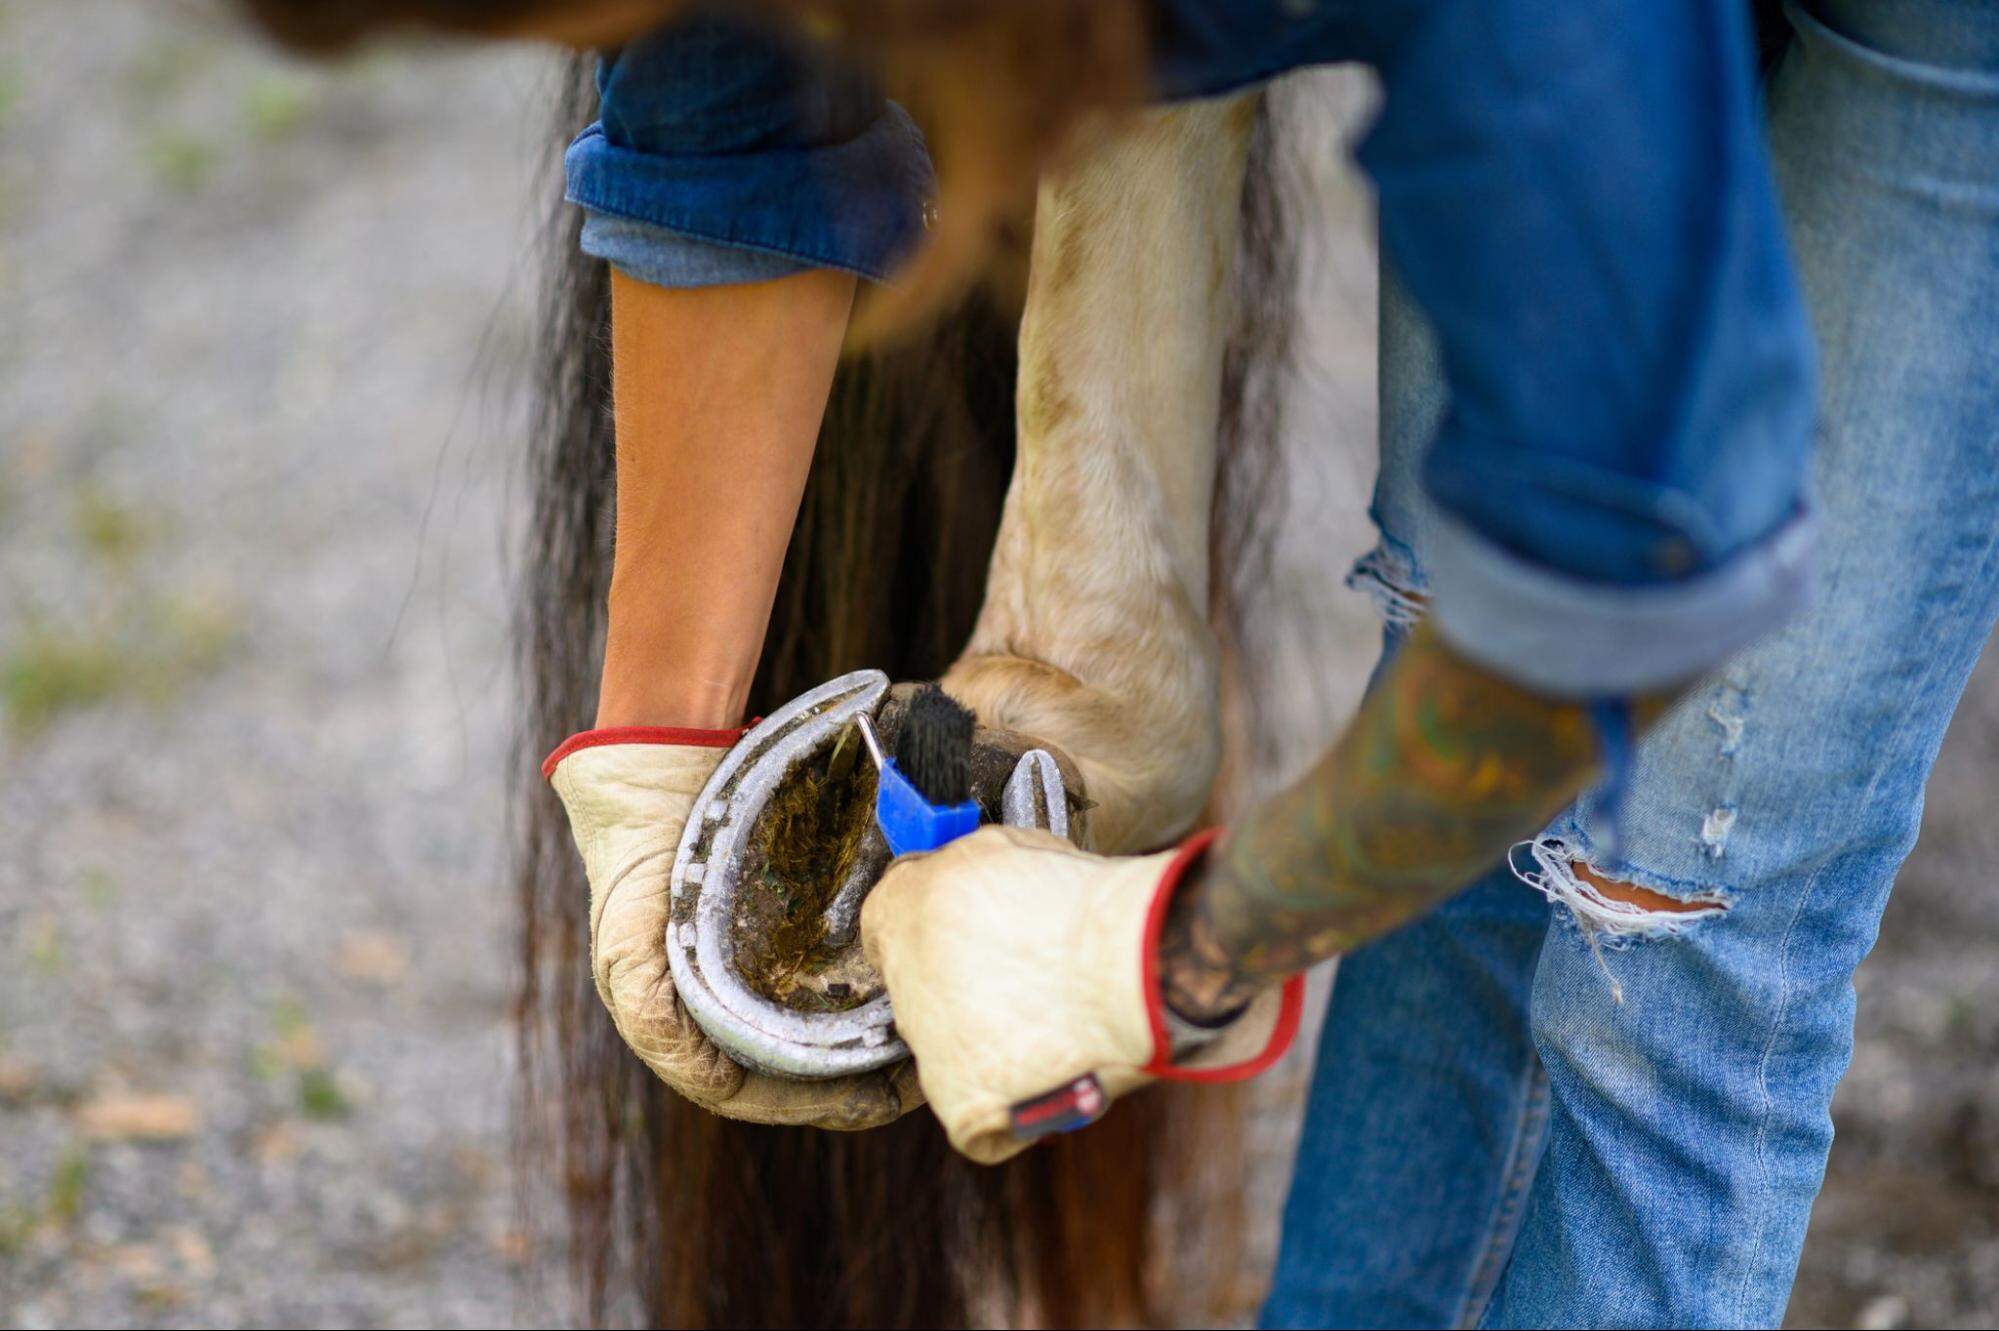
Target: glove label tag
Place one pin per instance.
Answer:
(1076, 1104)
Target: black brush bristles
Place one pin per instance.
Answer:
(933, 749)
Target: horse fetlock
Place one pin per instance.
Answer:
(1146, 763)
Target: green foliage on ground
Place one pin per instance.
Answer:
(136, 636)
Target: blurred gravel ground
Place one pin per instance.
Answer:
(262, 332)
(257, 415)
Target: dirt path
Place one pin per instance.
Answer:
(254, 988)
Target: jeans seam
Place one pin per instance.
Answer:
(1769, 1103)
(1777, 1031)
(1515, 1181)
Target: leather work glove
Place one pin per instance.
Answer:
(629, 792)
(1024, 977)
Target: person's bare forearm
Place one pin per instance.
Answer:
(1444, 768)
(719, 393)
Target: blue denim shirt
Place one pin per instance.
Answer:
(1576, 192)
(732, 152)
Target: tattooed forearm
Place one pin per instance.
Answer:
(1443, 769)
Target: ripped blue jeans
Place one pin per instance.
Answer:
(1561, 1111)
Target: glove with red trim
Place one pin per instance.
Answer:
(629, 792)
(1023, 973)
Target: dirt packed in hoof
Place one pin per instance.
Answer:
(808, 841)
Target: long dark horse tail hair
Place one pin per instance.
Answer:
(677, 1217)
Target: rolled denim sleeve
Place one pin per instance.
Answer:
(1579, 196)
(728, 151)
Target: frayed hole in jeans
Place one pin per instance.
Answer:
(1388, 577)
(1607, 908)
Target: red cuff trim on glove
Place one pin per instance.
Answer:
(1289, 1013)
(591, 739)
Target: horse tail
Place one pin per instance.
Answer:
(675, 1215)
